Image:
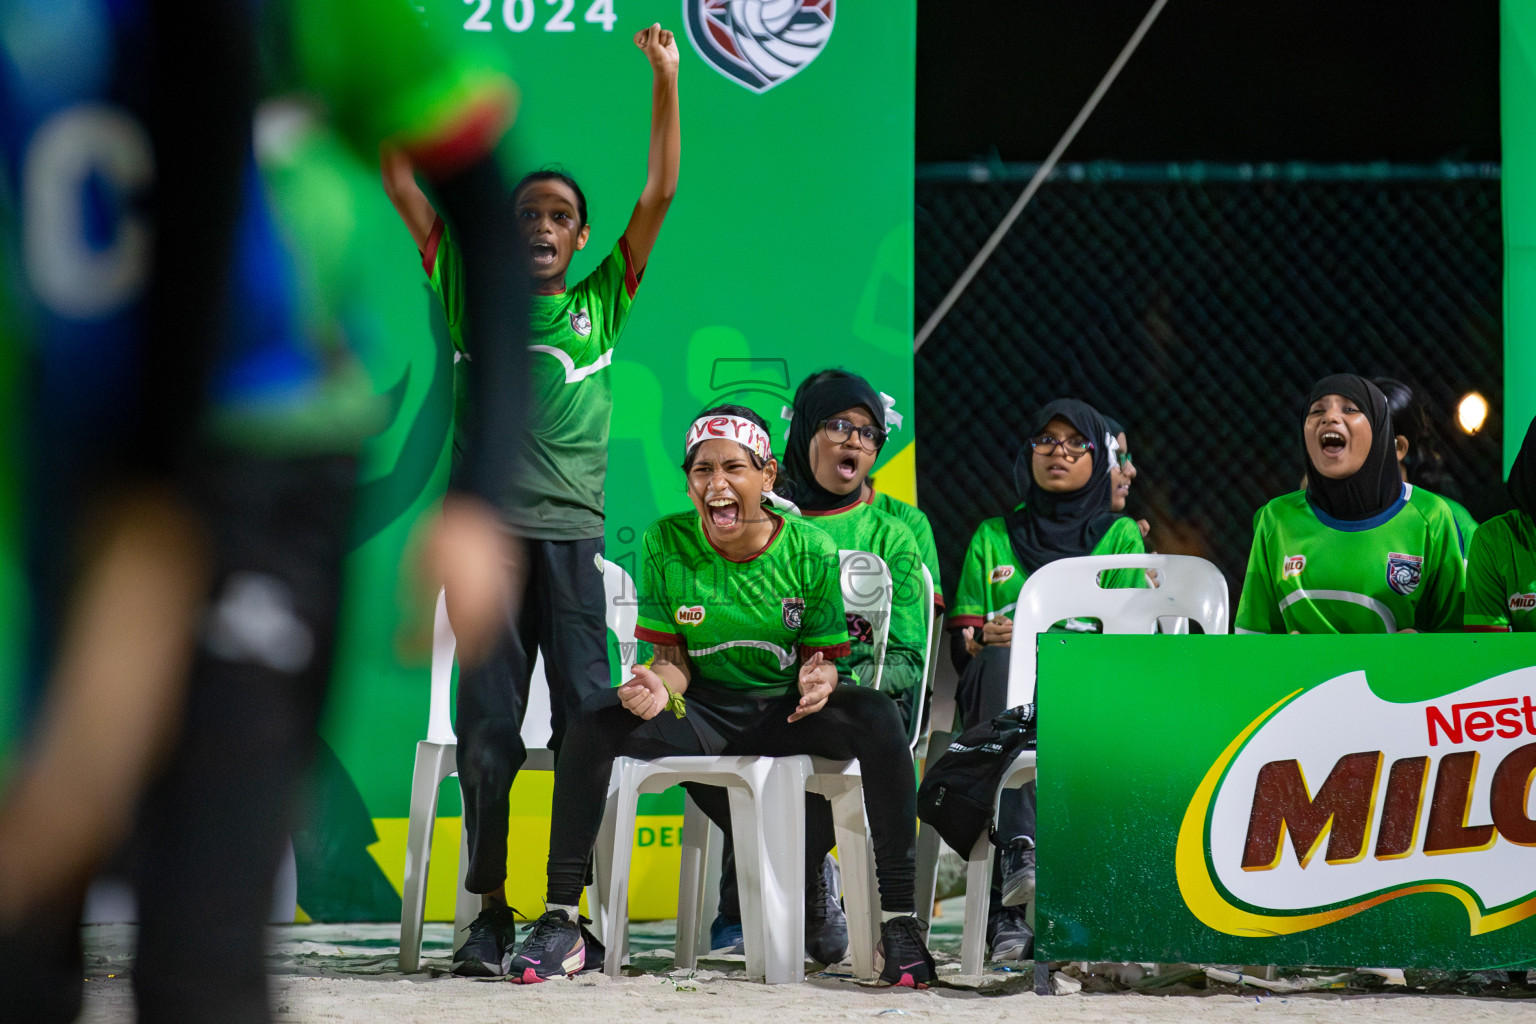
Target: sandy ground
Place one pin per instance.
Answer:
(330, 973)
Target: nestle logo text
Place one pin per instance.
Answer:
(1476, 721)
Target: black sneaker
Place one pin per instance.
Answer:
(1009, 936)
(826, 926)
(596, 952)
(553, 947)
(902, 957)
(1018, 872)
(489, 945)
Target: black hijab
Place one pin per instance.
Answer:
(820, 396)
(1376, 485)
(1063, 525)
(1522, 475)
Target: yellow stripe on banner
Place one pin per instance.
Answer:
(898, 477)
(653, 872)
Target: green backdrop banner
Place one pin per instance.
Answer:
(1288, 800)
(1517, 113)
(788, 249)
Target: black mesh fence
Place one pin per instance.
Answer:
(1197, 305)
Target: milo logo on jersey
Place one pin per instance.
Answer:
(1334, 801)
(1293, 566)
(1001, 573)
(1404, 572)
(1522, 602)
(759, 43)
(689, 615)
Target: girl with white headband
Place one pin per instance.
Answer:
(743, 607)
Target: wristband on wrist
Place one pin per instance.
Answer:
(675, 702)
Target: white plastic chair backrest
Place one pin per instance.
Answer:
(1068, 588)
(621, 609)
(866, 581)
(930, 658)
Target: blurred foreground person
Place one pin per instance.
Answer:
(198, 636)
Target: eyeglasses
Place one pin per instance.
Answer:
(1072, 449)
(1123, 458)
(870, 437)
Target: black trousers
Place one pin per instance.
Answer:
(982, 694)
(820, 836)
(213, 825)
(855, 723)
(562, 614)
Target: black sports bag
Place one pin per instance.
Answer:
(959, 790)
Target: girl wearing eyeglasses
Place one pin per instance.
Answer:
(1065, 481)
(835, 435)
(1358, 550)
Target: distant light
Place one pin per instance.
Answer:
(1471, 412)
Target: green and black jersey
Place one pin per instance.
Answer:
(745, 625)
(565, 452)
(1310, 573)
(916, 520)
(861, 527)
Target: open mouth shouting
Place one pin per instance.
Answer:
(541, 254)
(724, 512)
(1333, 443)
(847, 467)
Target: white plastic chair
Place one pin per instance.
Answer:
(1189, 587)
(773, 888)
(768, 822)
(436, 760)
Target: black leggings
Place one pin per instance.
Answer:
(982, 694)
(855, 723)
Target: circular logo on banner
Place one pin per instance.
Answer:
(759, 43)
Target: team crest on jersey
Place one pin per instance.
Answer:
(1522, 602)
(581, 323)
(1001, 573)
(1293, 566)
(794, 612)
(689, 615)
(1404, 572)
(759, 43)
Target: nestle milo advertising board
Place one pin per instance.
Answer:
(1338, 800)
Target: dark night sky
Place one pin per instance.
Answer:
(1223, 80)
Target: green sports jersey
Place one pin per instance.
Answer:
(861, 527)
(1466, 526)
(991, 576)
(916, 520)
(1501, 575)
(564, 459)
(1309, 573)
(744, 624)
